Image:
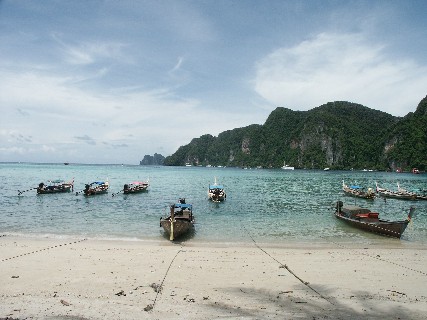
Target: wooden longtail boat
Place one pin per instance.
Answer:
(97, 187)
(359, 192)
(135, 187)
(366, 220)
(180, 221)
(413, 195)
(55, 186)
(216, 192)
(399, 194)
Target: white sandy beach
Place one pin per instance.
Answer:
(43, 278)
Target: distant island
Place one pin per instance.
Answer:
(338, 135)
(156, 160)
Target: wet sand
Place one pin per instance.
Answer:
(45, 278)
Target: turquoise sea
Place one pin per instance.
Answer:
(270, 206)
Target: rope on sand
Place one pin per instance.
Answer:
(287, 268)
(158, 288)
(378, 257)
(40, 250)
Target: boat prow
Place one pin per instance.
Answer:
(216, 192)
(180, 221)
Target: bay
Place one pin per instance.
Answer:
(270, 206)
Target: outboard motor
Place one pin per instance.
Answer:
(181, 200)
(126, 187)
(339, 206)
(41, 184)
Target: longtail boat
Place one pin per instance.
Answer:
(357, 191)
(400, 194)
(216, 192)
(97, 187)
(413, 195)
(55, 186)
(180, 221)
(135, 187)
(366, 220)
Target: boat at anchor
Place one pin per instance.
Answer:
(365, 219)
(180, 221)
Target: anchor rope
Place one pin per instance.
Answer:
(379, 258)
(164, 278)
(287, 268)
(40, 250)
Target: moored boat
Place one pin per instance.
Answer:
(97, 187)
(287, 167)
(400, 194)
(55, 186)
(357, 191)
(366, 220)
(216, 192)
(180, 221)
(135, 187)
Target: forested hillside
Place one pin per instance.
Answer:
(339, 135)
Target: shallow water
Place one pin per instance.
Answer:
(271, 206)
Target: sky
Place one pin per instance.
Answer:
(90, 81)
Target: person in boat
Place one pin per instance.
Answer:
(180, 212)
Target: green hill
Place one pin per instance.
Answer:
(339, 135)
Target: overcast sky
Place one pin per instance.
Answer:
(111, 81)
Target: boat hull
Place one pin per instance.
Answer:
(135, 190)
(92, 192)
(180, 226)
(56, 189)
(356, 194)
(216, 198)
(387, 228)
(396, 195)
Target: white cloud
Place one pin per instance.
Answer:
(12, 150)
(52, 117)
(85, 52)
(331, 67)
(178, 64)
(48, 149)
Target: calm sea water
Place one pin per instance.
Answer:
(270, 206)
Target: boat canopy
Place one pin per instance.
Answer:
(138, 183)
(356, 187)
(183, 206)
(98, 182)
(352, 211)
(216, 186)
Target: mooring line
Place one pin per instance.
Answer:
(160, 287)
(379, 258)
(287, 268)
(40, 250)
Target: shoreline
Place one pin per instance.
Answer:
(79, 278)
(366, 240)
